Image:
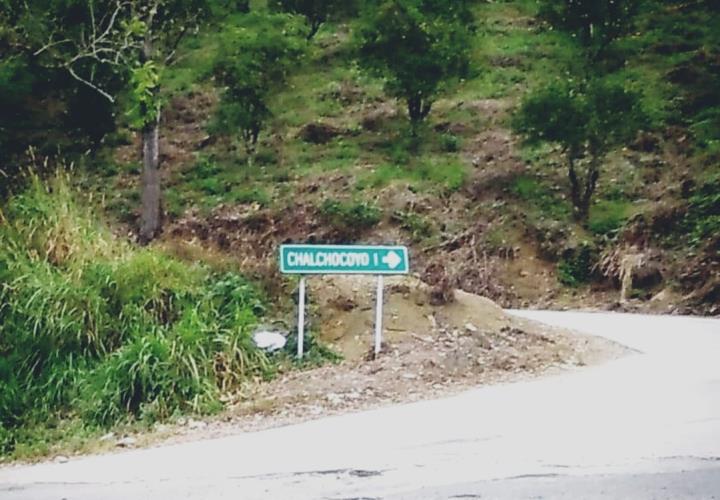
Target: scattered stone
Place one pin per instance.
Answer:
(108, 437)
(471, 328)
(197, 424)
(319, 133)
(126, 442)
(269, 338)
(61, 459)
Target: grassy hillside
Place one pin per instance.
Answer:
(164, 330)
(479, 208)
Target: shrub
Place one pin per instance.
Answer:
(577, 265)
(608, 216)
(94, 328)
(703, 217)
(349, 218)
(449, 143)
(418, 227)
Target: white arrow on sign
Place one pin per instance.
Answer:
(392, 260)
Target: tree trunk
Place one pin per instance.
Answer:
(150, 222)
(575, 195)
(581, 192)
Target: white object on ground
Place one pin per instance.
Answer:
(268, 340)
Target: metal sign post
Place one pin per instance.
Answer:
(305, 260)
(378, 315)
(301, 317)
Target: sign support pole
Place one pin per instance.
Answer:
(378, 315)
(301, 318)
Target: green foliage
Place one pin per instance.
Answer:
(316, 12)
(254, 59)
(144, 95)
(540, 197)
(608, 216)
(594, 23)
(555, 114)
(449, 143)
(349, 219)
(702, 220)
(577, 265)
(417, 47)
(439, 175)
(94, 329)
(418, 226)
(587, 120)
(315, 353)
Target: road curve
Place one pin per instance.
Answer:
(646, 426)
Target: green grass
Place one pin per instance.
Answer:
(94, 332)
(436, 174)
(608, 216)
(539, 199)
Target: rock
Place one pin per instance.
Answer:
(646, 142)
(319, 133)
(376, 118)
(197, 424)
(471, 328)
(126, 442)
(61, 459)
(269, 338)
(646, 276)
(108, 437)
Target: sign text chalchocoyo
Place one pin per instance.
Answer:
(343, 259)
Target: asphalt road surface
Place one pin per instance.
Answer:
(646, 426)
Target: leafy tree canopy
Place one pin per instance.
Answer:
(417, 46)
(595, 23)
(587, 120)
(316, 12)
(251, 63)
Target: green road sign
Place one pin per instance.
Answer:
(343, 259)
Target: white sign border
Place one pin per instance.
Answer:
(389, 272)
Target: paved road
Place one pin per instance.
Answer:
(646, 426)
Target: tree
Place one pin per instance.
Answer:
(316, 12)
(98, 41)
(417, 47)
(587, 122)
(595, 23)
(251, 64)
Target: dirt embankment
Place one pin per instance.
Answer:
(428, 352)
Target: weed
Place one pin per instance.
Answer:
(349, 219)
(540, 198)
(251, 195)
(608, 216)
(577, 265)
(418, 226)
(703, 217)
(94, 328)
(449, 143)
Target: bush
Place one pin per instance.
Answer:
(351, 218)
(94, 328)
(608, 216)
(703, 217)
(418, 227)
(577, 265)
(449, 143)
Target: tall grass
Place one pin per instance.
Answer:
(92, 328)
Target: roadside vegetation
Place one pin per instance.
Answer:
(533, 151)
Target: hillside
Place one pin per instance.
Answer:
(480, 210)
(104, 327)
